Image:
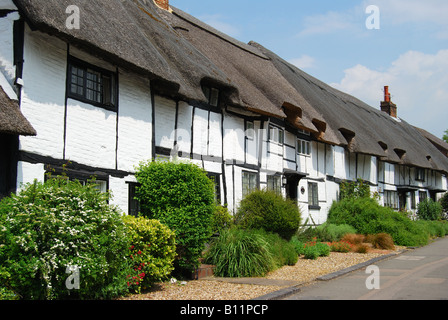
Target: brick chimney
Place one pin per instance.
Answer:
(387, 105)
(164, 4)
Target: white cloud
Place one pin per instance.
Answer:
(304, 62)
(418, 84)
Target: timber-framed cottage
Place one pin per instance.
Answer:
(140, 80)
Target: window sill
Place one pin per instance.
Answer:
(108, 107)
(314, 207)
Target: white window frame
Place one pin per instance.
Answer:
(274, 183)
(276, 135)
(249, 181)
(303, 144)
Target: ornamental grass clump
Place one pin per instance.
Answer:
(49, 228)
(240, 253)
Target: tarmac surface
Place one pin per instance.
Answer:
(416, 274)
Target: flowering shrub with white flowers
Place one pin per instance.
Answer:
(52, 226)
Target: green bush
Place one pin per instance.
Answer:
(368, 217)
(298, 245)
(434, 228)
(354, 190)
(444, 202)
(283, 251)
(315, 250)
(152, 251)
(263, 209)
(311, 249)
(332, 232)
(249, 253)
(51, 226)
(182, 197)
(429, 210)
(221, 220)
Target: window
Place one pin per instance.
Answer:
(92, 85)
(420, 174)
(250, 130)
(250, 182)
(313, 195)
(303, 147)
(134, 204)
(276, 135)
(275, 184)
(391, 199)
(212, 95)
(422, 196)
(216, 178)
(100, 183)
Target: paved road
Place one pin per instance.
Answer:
(420, 274)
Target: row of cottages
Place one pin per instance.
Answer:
(106, 84)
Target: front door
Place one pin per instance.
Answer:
(402, 199)
(292, 185)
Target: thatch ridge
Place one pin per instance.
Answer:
(130, 34)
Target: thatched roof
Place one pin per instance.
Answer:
(360, 127)
(436, 141)
(261, 87)
(131, 34)
(269, 85)
(12, 120)
(180, 53)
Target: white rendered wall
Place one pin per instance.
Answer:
(91, 135)
(200, 132)
(27, 173)
(215, 135)
(134, 122)
(184, 120)
(43, 93)
(234, 137)
(165, 116)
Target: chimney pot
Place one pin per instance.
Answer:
(386, 94)
(387, 105)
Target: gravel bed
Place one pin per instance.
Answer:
(305, 271)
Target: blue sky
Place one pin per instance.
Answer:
(330, 40)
